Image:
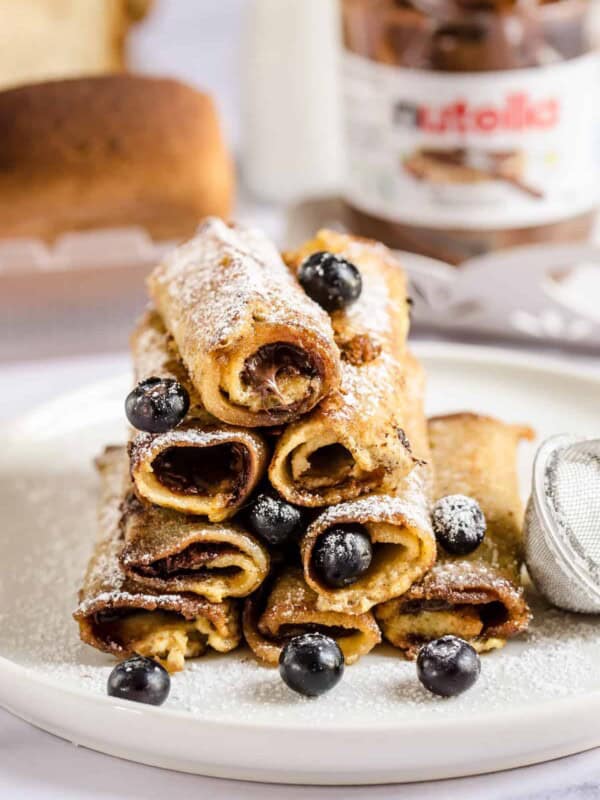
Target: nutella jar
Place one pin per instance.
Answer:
(472, 125)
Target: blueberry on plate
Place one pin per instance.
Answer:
(157, 405)
(341, 555)
(459, 524)
(311, 664)
(331, 281)
(141, 680)
(273, 519)
(448, 666)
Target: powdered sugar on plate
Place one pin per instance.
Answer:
(48, 492)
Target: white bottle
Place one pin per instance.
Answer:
(291, 137)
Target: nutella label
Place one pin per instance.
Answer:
(473, 150)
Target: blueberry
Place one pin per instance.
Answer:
(140, 679)
(448, 666)
(459, 524)
(330, 280)
(311, 664)
(342, 555)
(274, 520)
(157, 405)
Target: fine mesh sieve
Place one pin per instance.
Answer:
(562, 523)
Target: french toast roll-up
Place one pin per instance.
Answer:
(355, 441)
(479, 596)
(398, 526)
(257, 349)
(174, 552)
(203, 466)
(123, 617)
(288, 608)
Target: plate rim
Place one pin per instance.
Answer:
(537, 712)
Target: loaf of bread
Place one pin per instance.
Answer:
(110, 151)
(49, 39)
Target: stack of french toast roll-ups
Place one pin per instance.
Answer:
(280, 474)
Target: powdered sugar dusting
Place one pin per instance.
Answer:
(50, 514)
(377, 309)
(147, 445)
(453, 515)
(410, 507)
(215, 285)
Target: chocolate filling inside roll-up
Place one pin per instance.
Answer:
(289, 608)
(175, 552)
(466, 599)
(203, 466)
(477, 597)
(399, 527)
(355, 441)
(122, 616)
(257, 349)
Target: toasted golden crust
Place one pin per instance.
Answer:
(122, 616)
(110, 151)
(258, 350)
(403, 546)
(399, 526)
(476, 455)
(355, 442)
(356, 327)
(291, 608)
(174, 552)
(202, 466)
(155, 354)
(169, 552)
(477, 597)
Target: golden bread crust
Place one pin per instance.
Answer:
(110, 151)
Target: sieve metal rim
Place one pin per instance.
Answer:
(561, 549)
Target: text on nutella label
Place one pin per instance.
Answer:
(473, 150)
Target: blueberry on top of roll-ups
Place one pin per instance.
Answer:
(477, 596)
(342, 555)
(458, 523)
(257, 349)
(202, 466)
(351, 444)
(273, 519)
(332, 281)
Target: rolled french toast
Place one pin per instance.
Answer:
(399, 525)
(355, 441)
(173, 552)
(257, 349)
(290, 608)
(203, 466)
(479, 596)
(123, 617)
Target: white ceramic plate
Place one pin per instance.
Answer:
(537, 699)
